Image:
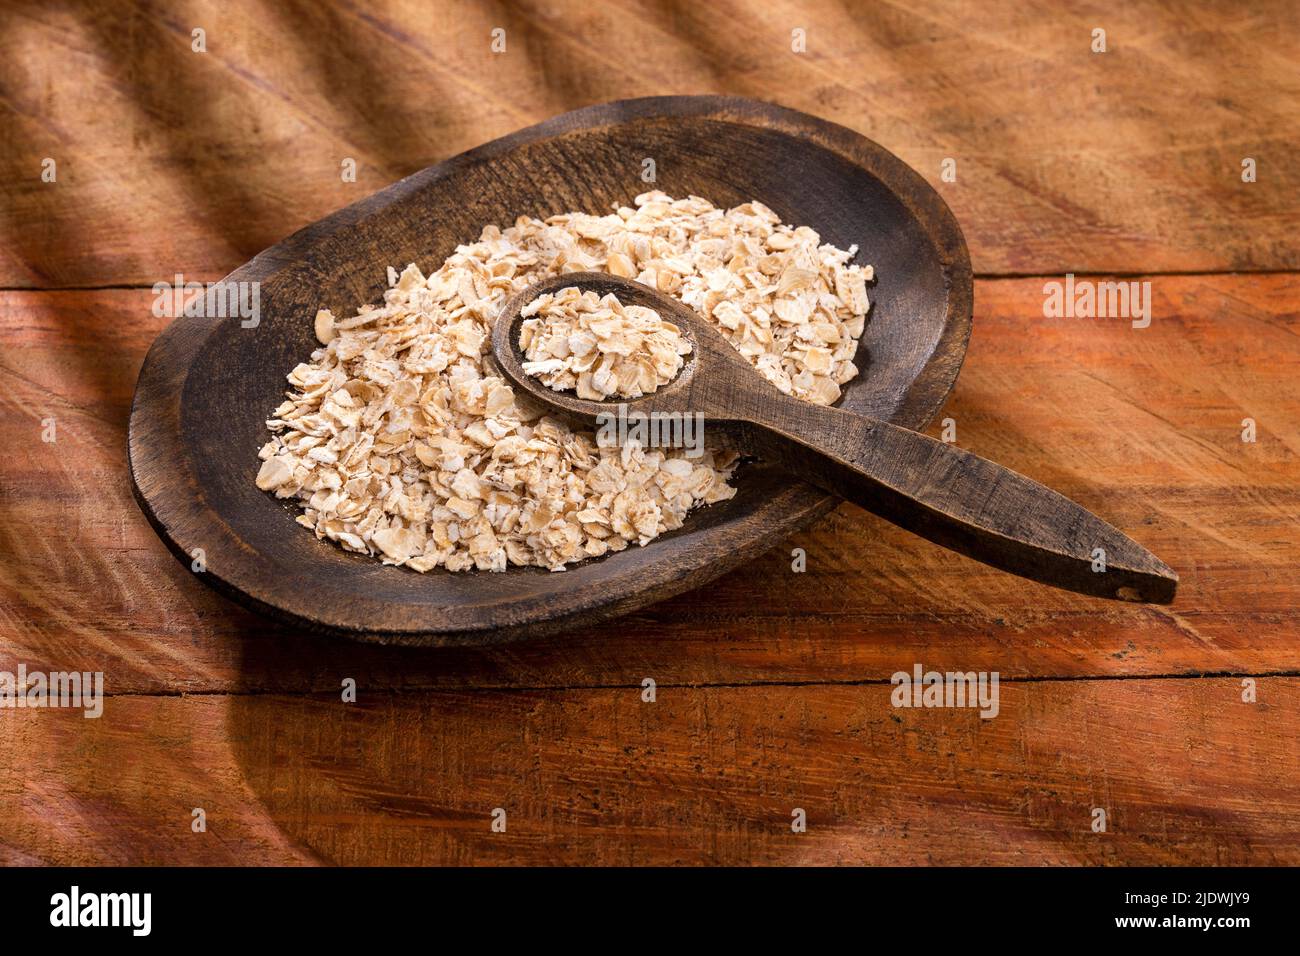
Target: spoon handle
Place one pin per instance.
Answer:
(961, 501)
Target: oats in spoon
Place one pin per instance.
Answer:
(602, 348)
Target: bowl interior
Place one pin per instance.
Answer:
(238, 375)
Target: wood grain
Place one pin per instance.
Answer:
(1186, 772)
(171, 160)
(1144, 424)
(770, 682)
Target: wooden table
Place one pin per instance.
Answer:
(773, 687)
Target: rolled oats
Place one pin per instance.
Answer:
(598, 346)
(401, 439)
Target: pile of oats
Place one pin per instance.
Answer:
(578, 340)
(401, 439)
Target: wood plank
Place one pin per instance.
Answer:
(1186, 772)
(171, 160)
(1140, 425)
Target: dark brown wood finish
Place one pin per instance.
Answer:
(943, 493)
(208, 384)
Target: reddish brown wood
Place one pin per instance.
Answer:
(1065, 159)
(1186, 772)
(1144, 424)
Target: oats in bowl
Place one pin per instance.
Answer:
(400, 439)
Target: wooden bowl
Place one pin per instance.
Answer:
(208, 384)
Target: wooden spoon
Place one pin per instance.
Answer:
(934, 489)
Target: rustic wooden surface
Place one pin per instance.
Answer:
(772, 686)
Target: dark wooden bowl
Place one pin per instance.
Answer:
(208, 385)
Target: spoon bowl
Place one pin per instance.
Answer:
(693, 389)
